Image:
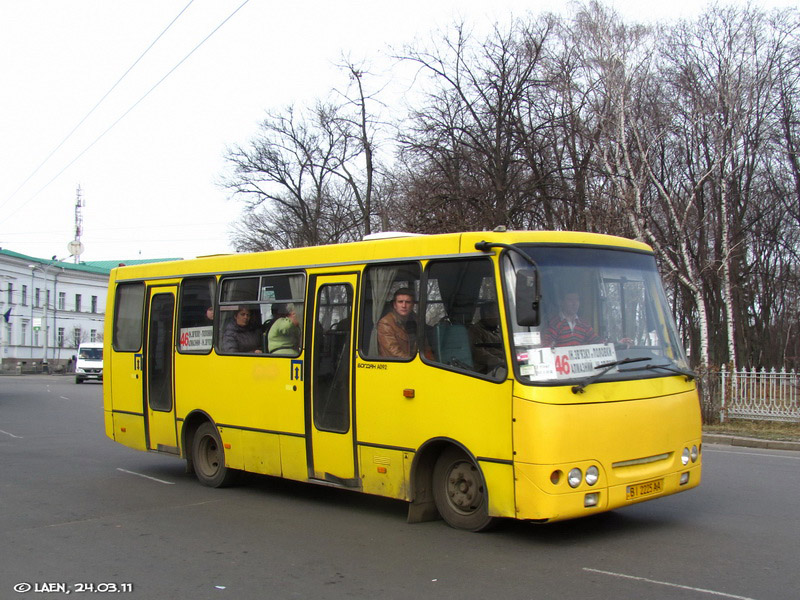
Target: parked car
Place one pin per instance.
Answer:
(89, 364)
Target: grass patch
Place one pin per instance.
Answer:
(767, 430)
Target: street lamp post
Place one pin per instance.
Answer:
(44, 269)
(33, 297)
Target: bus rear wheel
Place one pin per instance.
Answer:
(460, 492)
(208, 458)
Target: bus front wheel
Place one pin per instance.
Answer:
(208, 458)
(460, 492)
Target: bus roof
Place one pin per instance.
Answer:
(396, 247)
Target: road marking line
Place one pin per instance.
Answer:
(668, 584)
(11, 434)
(146, 476)
(716, 451)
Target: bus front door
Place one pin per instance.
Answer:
(329, 412)
(159, 398)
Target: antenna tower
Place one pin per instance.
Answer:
(78, 223)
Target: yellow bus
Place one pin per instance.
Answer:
(527, 375)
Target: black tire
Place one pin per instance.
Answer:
(460, 492)
(78, 380)
(208, 458)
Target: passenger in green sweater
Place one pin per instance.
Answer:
(283, 336)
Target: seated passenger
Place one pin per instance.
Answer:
(283, 336)
(241, 334)
(397, 330)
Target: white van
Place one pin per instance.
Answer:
(89, 364)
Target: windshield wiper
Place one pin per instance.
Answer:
(606, 367)
(685, 372)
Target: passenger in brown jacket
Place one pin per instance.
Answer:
(397, 330)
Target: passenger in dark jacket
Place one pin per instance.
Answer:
(241, 334)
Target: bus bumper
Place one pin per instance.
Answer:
(562, 502)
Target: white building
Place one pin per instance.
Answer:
(48, 308)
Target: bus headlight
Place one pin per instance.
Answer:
(694, 454)
(685, 456)
(575, 477)
(592, 475)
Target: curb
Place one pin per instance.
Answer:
(746, 442)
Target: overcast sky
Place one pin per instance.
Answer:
(148, 158)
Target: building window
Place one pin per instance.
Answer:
(60, 338)
(94, 304)
(76, 337)
(93, 335)
(77, 303)
(10, 293)
(9, 332)
(37, 297)
(47, 299)
(24, 295)
(35, 337)
(62, 300)
(23, 332)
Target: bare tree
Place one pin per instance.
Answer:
(309, 176)
(461, 150)
(285, 178)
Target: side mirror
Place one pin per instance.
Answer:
(526, 296)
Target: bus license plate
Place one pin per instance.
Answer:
(633, 492)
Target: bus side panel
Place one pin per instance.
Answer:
(293, 457)
(383, 472)
(500, 483)
(470, 412)
(252, 391)
(234, 449)
(262, 452)
(473, 412)
(123, 387)
(128, 430)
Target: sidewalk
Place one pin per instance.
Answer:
(748, 442)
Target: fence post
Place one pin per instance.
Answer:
(724, 390)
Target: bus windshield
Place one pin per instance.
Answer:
(602, 316)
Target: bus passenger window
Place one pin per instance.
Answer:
(128, 315)
(261, 314)
(196, 318)
(390, 326)
(282, 297)
(462, 317)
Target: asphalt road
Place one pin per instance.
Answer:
(78, 510)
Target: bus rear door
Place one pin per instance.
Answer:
(329, 406)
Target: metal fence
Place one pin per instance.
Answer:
(751, 394)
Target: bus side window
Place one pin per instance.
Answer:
(462, 316)
(196, 318)
(380, 284)
(274, 306)
(128, 315)
(282, 300)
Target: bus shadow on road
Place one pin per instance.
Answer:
(598, 527)
(316, 494)
(644, 519)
